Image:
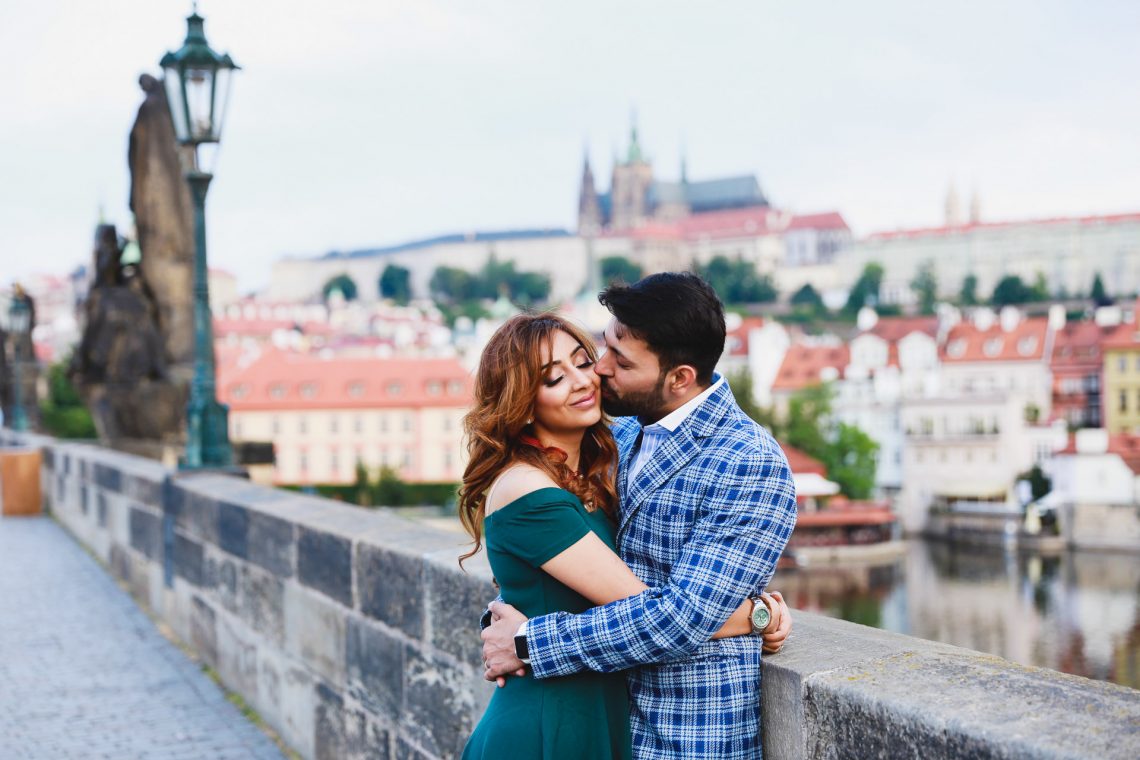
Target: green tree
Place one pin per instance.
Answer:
(742, 390)
(619, 269)
(847, 452)
(925, 287)
(1098, 294)
(452, 285)
(851, 461)
(390, 490)
(865, 291)
(737, 281)
(396, 283)
(1010, 290)
(362, 488)
(1040, 289)
(808, 297)
(342, 282)
(62, 413)
(968, 295)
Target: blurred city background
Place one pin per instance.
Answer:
(925, 223)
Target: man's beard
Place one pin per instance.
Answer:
(648, 406)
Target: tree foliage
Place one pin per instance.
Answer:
(848, 453)
(396, 283)
(342, 282)
(619, 269)
(968, 295)
(865, 291)
(736, 281)
(925, 287)
(63, 413)
(1011, 290)
(1098, 294)
(497, 278)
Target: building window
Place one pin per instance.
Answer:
(434, 388)
(277, 390)
(455, 388)
(334, 462)
(407, 423)
(334, 425)
(308, 390)
(302, 424)
(276, 425)
(1027, 345)
(394, 389)
(446, 423)
(383, 423)
(358, 424)
(303, 461)
(957, 348)
(240, 390)
(237, 429)
(1123, 401)
(407, 458)
(1122, 364)
(992, 347)
(356, 389)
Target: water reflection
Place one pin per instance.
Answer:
(1078, 612)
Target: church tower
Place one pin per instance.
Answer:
(953, 207)
(589, 210)
(630, 188)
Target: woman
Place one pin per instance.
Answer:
(540, 483)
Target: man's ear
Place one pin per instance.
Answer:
(681, 380)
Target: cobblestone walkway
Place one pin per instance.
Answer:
(85, 674)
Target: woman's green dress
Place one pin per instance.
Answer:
(585, 715)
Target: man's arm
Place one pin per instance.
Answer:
(733, 551)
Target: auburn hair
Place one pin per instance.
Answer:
(499, 429)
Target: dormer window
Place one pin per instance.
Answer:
(957, 348)
(992, 347)
(308, 390)
(356, 388)
(277, 390)
(1027, 345)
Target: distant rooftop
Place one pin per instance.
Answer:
(459, 237)
(976, 226)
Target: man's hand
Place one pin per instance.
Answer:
(499, 658)
(778, 628)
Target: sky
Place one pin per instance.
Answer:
(358, 123)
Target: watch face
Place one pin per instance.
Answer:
(760, 617)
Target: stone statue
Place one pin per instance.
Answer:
(120, 367)
(164, 218)
(19, 350)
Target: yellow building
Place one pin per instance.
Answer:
(326, 415)
(1122, 378)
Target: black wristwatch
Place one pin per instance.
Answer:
(521, 650)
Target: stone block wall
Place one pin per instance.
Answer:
(353, 633)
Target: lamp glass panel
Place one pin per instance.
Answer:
(199, 99)
(173, 82)
(222, 81)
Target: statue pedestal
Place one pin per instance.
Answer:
(20, 482)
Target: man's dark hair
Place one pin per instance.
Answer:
(677, 314)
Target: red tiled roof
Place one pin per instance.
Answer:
(803, 363)
(736, 341)
(970, 227)
(828, 220)
(227, 326)
(802, 463)
(1078, 345)
(896, 328)
(831, 518)
(302, 381)
(1125, 336)
(1025, 342)
(753, 221)
(1127, 447)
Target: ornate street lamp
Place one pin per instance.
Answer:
(197, 87)
(19, 322)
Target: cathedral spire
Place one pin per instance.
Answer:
(589, 209)
(634, 155)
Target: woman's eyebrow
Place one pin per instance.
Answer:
(550, 364)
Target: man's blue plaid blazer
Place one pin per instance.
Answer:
(703, 525)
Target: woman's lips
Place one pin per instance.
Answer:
(586, 402)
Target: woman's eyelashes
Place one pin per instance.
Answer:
(550, 382)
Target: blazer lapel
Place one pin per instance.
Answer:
(669, 457)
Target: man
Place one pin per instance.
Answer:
(707, 506)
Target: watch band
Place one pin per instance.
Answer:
(521, 649)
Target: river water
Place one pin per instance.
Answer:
(1078, 613)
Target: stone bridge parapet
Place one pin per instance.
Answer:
(353, 633)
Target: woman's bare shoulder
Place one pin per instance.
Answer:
(516, 483)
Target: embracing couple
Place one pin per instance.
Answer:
(632, 557)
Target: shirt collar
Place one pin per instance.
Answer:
(673, 419)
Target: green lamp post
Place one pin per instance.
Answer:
(19, 322)
(197, 81)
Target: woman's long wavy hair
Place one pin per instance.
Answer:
(506, 385)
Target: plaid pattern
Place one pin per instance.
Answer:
(703, 524)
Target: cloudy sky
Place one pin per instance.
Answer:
(366, 122)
